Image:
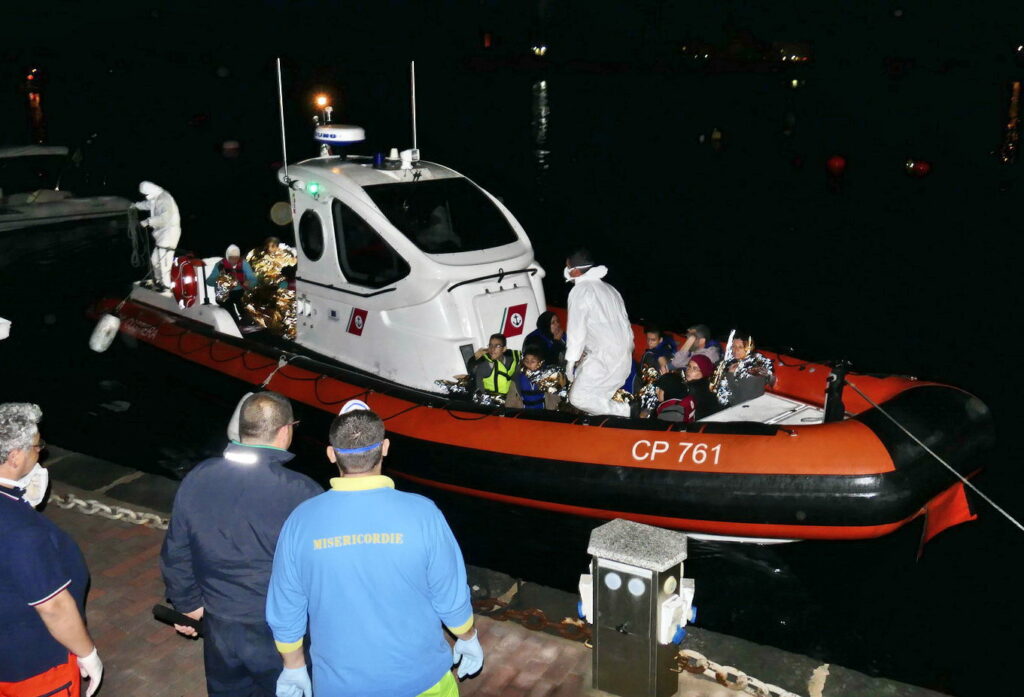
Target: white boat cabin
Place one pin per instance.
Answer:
(405, 267)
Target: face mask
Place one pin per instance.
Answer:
(34, 483)
(566, 270)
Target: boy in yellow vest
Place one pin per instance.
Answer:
(494, 366)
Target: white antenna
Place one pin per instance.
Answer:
(280, 104)
(413, 73)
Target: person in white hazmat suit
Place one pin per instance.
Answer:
(599, 328)
(165, 224)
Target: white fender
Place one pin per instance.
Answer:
(104, 333)
(233, 423)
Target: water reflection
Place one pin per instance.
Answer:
(541, 111)
(37, 123)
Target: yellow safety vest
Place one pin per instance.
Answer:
(501, 377)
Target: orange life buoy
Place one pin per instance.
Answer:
(185, 279)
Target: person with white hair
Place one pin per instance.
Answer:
(164, 222)
(45, 648)
(231, 277)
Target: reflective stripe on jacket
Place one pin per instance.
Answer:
(500, 376)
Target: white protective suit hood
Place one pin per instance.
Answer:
(150, 190)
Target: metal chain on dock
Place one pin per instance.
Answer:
(577, 630)
(533, 619)
(94, 507)
(728, 676)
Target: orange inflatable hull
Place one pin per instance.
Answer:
(854, 479)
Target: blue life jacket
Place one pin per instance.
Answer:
(532, 397)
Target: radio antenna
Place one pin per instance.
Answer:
(412, 71)
(280, 105)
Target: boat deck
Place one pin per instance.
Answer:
(772, 409)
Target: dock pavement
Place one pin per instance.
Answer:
(144, 658)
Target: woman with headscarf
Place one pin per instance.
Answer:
(549, 337)
(700, 400)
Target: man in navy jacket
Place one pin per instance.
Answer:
(219, 550)
(45, 647)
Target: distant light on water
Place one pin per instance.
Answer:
(541, 113)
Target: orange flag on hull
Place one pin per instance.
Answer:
(949, 508)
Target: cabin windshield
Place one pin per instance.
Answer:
(443, 216)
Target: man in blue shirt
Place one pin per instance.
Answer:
(377, 571)
(45, 648)
(217, 555)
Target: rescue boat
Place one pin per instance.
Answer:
(405, 266)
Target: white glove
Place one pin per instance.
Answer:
(469, 655)
(294, 682)
(570, 371)
(91, 667)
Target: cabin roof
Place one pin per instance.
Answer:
(361, 171)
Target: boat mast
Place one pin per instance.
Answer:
(412, 72)
(280, 105)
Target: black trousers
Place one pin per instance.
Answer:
(233, 303)
(241, 659)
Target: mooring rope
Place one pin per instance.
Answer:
(282, 360)
(931, 452)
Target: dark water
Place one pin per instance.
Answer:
(901, 275)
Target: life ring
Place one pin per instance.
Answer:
(185, 275)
